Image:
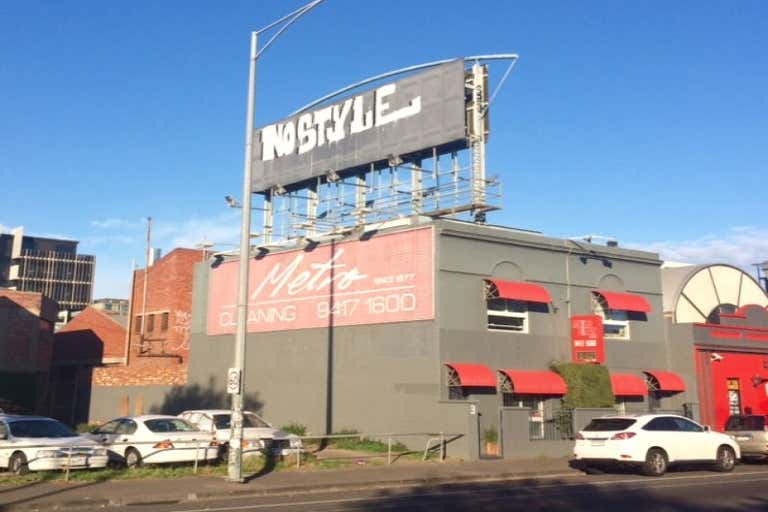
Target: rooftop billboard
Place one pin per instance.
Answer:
(403, 119)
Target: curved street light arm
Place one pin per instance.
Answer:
(292, 18)
(475, 58)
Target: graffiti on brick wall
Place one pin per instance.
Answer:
(181, 326)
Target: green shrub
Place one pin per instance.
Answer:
(295, 428)
(491, 435)
(589, 385)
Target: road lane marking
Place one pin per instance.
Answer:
(653, 482)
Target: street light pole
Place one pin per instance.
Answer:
(235, 469)
(236, 375)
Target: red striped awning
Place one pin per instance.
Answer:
(627, 384)
(624, 301)
(529, 382)
(473, 375)
(666, 381)
(517, 290)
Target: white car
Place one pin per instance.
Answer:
(36, 443)
(258, 434)
(652, 442)
(154, 439)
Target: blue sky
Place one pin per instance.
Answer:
(642, 121)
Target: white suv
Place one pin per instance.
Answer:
(258, 435)
(652, 442)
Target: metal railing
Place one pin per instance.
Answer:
(557, 427)
(435, 441)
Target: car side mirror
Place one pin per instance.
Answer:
(706, 428)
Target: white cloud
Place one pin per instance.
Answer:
(4, 229)
(113, 223)
(741, 246)
(222, 229)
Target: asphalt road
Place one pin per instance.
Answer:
(745, 489)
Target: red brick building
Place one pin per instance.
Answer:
(158, 333)
(26, 348)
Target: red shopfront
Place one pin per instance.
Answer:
(732, 367)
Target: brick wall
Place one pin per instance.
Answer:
(26, 331)
(93, 335)
(161, 357)
(26, 347)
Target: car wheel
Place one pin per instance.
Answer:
(726, 459)
(655, 462)
(133, 458)
(18, 464)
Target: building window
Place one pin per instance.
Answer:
(507, 315)
(615, 321)
(164, 322)
(721, 309)
(151, 323)
(455, 389)
(137, 324)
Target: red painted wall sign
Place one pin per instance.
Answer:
(588, 345)
(388, 278)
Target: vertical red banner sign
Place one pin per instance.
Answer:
(388, 278)
(588, 343)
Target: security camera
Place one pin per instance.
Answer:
(715, 357)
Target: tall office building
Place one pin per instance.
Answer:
(48, 266)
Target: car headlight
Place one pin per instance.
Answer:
(48, 454)
(99, 452)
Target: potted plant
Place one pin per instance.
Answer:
(491, 438)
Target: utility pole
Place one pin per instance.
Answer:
(146, 280)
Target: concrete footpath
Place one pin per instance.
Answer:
(117, 493)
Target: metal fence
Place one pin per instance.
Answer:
(434, 442)
(557, 427)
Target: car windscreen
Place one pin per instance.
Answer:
(745, 423)
(609, 424)
(169, 425)
(222, 421)
(39, 428)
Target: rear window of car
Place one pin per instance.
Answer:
(609, 424)
(745, 423)
(40, 428)
(169, 425)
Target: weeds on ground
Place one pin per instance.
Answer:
(363, 443)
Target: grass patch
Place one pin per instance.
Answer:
(363, 444)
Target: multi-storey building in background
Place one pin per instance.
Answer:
(117, 306)
(49, 266)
